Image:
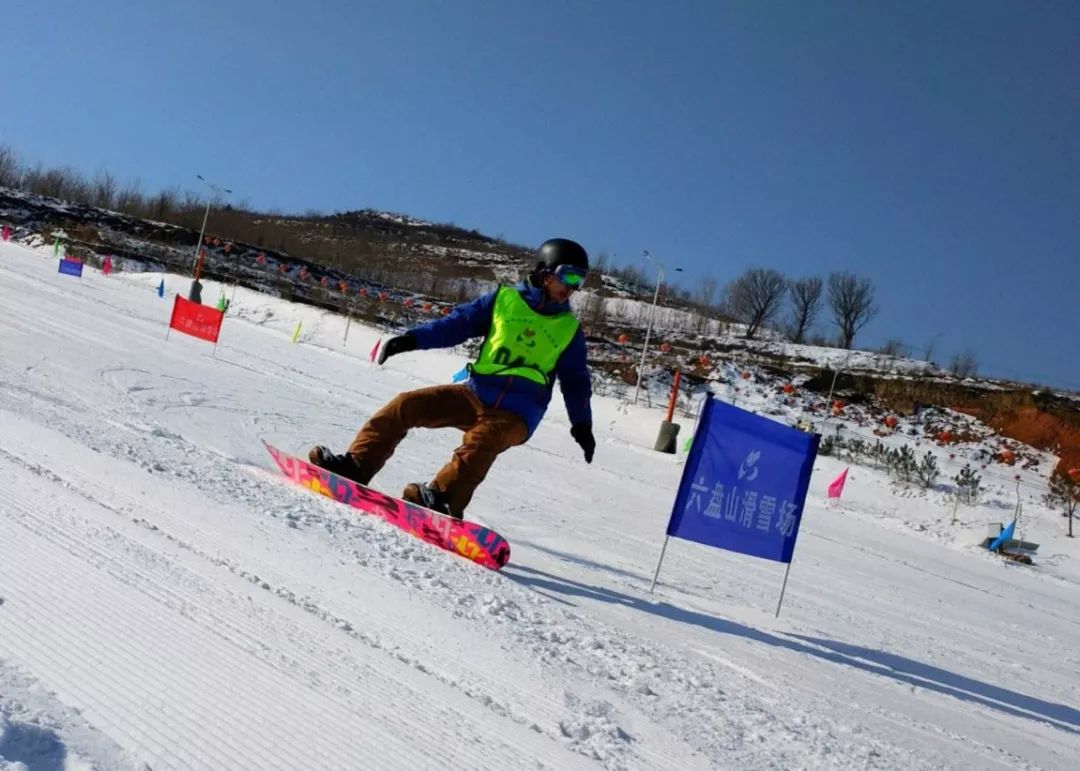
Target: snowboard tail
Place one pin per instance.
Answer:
(470, 540)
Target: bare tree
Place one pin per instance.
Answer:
(163, 205)
(699, 322)
(1064, 493)
(929, 347)
(80, 189)
(10, 176)
(601, 263)
(631, 274)
(56, 183)
(755, 297)
(31, 178)
(593, 310)
(805, 306)
(104, 191)
(706, 291)
(130, 199)
(851, 300)
(964, 364)
(894, 346)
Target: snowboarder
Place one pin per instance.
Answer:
(530, 338)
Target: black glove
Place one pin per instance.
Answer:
(395, 345)
(582, 434)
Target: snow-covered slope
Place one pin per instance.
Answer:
(167, 601)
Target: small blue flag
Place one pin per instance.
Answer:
(1004, 536)
(161, 288)
(744, 484)
(461, 374)
(70, 267)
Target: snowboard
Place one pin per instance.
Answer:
(470, 540)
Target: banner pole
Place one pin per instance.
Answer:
(782, 588)
(659, 562)
(172, 316)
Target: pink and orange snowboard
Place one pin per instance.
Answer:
(470, 540)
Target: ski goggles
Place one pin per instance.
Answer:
(569, 275)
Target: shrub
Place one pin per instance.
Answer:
(968, 485)
(927, 472)
(902, 463)
(857, 449)
(1064, 493)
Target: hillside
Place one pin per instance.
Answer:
(394, 270)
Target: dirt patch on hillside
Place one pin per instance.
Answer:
(1043, 430)
(1035, 417)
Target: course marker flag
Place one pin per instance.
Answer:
(70, 267)
(201, 321)
(744, 485)
(836, 487)
(1005, 535)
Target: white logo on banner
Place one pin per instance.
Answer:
(749, 470)
(746, 507)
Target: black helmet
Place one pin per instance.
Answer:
(562, 251)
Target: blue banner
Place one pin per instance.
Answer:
(744, 484)
(70, 267)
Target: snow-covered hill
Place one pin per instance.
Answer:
(477, 261)
(167, 601)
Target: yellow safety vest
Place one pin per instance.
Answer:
(521, 341)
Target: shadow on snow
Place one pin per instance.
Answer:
(40, 749)
(883, 663)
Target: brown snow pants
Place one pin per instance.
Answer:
(488, 432)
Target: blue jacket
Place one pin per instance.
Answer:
(507, 392)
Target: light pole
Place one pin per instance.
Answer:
(214, 190)
(652, 315)
(195, 295)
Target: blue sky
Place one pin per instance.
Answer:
(933, 147)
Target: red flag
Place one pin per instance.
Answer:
(201, 321)
(106, 266)
(837, 485)
(375, 349)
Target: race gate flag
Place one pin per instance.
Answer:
(1003, 537)
(836, 487)
(201, 321)
(70, 267)
(744, 484)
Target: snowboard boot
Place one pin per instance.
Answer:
(342, 465)
(428, 497)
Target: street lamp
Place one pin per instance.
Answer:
(214, 190)
(652, 315)
(195, 294)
